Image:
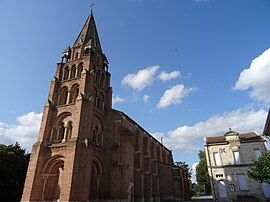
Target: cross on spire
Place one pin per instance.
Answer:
(91, 7)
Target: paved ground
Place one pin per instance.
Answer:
(202, 199)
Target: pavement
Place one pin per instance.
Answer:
(202, 199)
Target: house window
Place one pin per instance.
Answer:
(257, 153)
(236, 157)
(219, 175)
(217, 159)
(231, 187)
(241, 178)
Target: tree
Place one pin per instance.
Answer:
(202, 175)
(13, 168)
(184, 166)
(261, 170)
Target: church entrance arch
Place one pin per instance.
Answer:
(52, 178)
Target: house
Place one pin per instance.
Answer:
(229, 157)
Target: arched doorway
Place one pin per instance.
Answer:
(96, 174)
(52, 175)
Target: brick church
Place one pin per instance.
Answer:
(88, 151)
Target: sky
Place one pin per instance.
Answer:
(182, 69)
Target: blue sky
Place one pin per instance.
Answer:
(207, 44)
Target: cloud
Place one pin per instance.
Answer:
(243, 120)
(24, 132)
(117, 99)
(164, 76)
(141, 79)
(146, 98)
(257, 78)
(173, 96)
(193, 176)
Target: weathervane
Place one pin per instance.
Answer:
(91, 7)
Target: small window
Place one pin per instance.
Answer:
(236, 157)
(217, 159)
(257, 153)
(231, 187)
(241, 178)
(219, 175)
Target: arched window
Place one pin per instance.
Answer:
(163, 156)
(100, 102)
(76, 55)
(74, 92)
(96, 176)
(80, 68)
(86, 51)
(97, 134)
(97, 77)
(69, 130)
(152, 152)
(158, 153)
(145, 146)
(73, 72)
(60, 132)
(136, 143)
(62, 129)
(62, 97)
(66, 73)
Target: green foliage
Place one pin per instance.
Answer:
(13, 167)
(261, 170)
(185, 166)
(202, 176)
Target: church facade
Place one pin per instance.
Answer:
(88, 151)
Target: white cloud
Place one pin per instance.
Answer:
(146, 98)
(24, 132)
(257, 78)
(193, 176)
(173, 96)
(141, 79)
(158, 135)
(242, 120)
(117, 99)
(164, 76)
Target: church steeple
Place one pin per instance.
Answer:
(88, 36)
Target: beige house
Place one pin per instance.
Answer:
(229, 158)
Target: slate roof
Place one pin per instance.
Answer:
(89, 35)
(245, 137)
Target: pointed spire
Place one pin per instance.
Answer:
(89, 35)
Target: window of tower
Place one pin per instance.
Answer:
(80, 68)
(97, 134)
(69, 130)
(76, 55)
(74, 93)
(62, 97)
(152, 150)
(86, 51)
(62, 128)
(158, 153)
(145, 146)
(66, 73)
(100, 102)
(73, 72)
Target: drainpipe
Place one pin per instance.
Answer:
(214, 195)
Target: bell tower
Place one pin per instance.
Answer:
(62, 165)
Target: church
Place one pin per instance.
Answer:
(88, 151)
